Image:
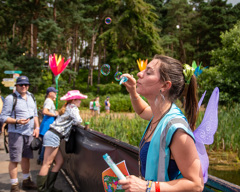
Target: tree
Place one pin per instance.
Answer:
(131, 35)
(177, 30)
(226, 60)
(214, 17)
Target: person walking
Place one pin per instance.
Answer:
(91, 107)
(96, 106)
(23, 125)
(60, 129)
(107, 105)
(50, 113)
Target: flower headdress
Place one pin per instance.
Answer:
(142, 64)
(189, 71)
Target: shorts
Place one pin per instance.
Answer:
(107, 108)
(50, 139)
(19, 147)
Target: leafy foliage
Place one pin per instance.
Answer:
(226, 75)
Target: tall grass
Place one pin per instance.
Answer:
(130, 130)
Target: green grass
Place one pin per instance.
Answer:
(122, 128)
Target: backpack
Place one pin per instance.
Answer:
(6, 124)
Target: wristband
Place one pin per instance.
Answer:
(157, 186)
(37, 128)
(149, 186)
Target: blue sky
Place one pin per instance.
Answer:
(234, 2)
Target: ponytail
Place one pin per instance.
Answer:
(191, 105)
(62, 110)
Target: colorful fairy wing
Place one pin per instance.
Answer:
(204, 134)
(202, 153)
(206, 130)
(201, 100)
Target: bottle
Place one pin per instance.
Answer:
(86, 126)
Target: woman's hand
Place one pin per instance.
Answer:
(133, 184)
(56, 113)
(130, 84)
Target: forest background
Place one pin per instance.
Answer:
(207, 32)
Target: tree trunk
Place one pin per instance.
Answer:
(54, 11)
(31, 39)
(14, 29)
(35, 35)
(34, 32)
(76, 63)
(71, 62)
(99, 61)
(104, 52)
(99, 58)
(183, 52)
(90, 74)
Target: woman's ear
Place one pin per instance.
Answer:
(167, 86)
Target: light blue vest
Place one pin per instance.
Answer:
(158, 155)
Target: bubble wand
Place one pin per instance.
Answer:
(114, 167)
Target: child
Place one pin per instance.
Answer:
(50, 113)
(60, 129)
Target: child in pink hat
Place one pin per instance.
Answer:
(60, 129)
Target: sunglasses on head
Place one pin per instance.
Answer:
(21, 85)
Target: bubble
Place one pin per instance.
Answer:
(105, 69)
(108, 20)
(117, 76)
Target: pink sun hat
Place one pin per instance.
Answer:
(73, 94)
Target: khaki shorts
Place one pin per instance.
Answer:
(19, 146)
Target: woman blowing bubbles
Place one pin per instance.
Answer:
(168, 157)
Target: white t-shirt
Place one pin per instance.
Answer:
(91, 105)
(49, 104)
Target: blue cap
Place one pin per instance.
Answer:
(51, 89)
(22, 80)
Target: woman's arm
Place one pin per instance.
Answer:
(185, 154)
(75, 115)
(46, 112)
(139, 105)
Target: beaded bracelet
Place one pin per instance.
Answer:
(157, 186)
(149, 186)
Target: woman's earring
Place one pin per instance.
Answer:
(163, 98)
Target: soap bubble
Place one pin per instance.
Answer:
(105, 69)
(108, 20)
(117, 76)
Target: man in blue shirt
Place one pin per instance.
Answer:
(21, 130)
